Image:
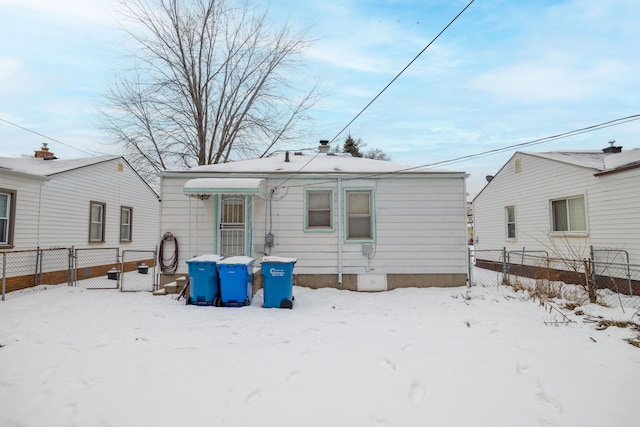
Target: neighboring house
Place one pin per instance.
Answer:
(96, 202)
(352, 223)
(563, 203)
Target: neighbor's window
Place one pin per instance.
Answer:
(510, 213)
(569, 214)
(319, 209)
(7, 214)
(359, 215)
(126, 216)
(96, 222)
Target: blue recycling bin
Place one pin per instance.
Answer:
(236, 281)
(204, 287)
(277, 281)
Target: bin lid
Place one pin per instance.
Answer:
(206, 257)
(273, 258)
(238, 259)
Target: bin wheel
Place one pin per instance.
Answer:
(217, 302)
(246, 301)
(187, 300)
(285, 303)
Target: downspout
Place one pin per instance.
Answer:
(340, 231)
(39, 215)
(190, 249)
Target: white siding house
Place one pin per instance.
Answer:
(98, 202)
(352, 223)
(563, 203)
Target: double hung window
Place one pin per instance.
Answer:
(319, 210)
(7, 213)
(359, 215)
(569, 215)
(96, 222)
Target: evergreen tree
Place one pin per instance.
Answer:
(352, 146)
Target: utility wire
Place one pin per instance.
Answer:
(592, 128)
(384, 89)
(47, 137)
(402, 71)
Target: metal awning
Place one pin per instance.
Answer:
(246, 186)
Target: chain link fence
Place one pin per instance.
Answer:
(581, 281)
(139, 271)
(28, 271)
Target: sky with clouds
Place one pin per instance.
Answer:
(505, 72)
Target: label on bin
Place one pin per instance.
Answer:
(276, 272)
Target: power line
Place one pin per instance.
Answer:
(586, 129)
(402, 71)
(47, 137)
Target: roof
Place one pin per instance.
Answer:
(313, 164)
(46, 168)
(597, 160)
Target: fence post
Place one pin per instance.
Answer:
(505, 279)
(4, 273)
(592, 257)
(469, 266)
(70, 269)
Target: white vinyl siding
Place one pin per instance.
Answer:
(421, 220)
(64, 198)
(611, 206)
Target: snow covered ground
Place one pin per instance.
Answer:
(480, 356)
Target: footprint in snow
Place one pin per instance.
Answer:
(549, 400)
(253, 396)
(384, 363)
(417, 392)
(379, 422)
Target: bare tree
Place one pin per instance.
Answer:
(210, 82)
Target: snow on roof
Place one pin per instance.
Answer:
(593, 159)
(310, 164)
(44, 168)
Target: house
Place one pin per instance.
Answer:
(85, 203)
(351, 223)
(564, 203)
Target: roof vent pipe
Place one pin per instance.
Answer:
(286, 156)
(612, 148)
(324, 146)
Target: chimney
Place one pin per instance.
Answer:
(324, 146)
(44, 153)
(612, 148)
(286, 156)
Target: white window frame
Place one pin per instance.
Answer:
(571, 230)
(129, 225)
(103, 206)
(508, 222)
(354, 216)
(7, 218)
(309, 210)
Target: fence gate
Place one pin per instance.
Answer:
(96, 268)
(138, 271)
